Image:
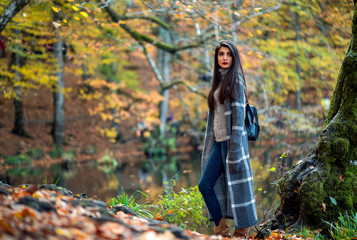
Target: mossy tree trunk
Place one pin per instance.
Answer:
(325, 183)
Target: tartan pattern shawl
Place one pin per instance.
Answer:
(234, 188)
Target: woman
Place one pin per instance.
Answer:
(227, 183)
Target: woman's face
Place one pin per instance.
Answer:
(225, 57)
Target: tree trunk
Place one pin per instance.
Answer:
(11, 10)
(58, 108)
(308, 192)
(298, 67)
(164, 60)
(19, 128)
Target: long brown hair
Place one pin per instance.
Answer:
(228, 80)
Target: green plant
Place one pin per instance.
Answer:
(183, 208)
(35, 153)
(129, 201)
(307, 233)
(68, 156)
(18, 159)
(345, 228)
(107, 163)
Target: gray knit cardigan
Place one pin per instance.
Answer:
(234, 188)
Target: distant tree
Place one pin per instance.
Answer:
(58, 92)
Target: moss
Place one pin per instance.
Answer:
(340, 148)
(353, 133)
(323, 144)
(312, 196)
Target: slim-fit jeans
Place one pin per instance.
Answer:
(211, 173)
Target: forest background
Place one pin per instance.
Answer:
(79, 79)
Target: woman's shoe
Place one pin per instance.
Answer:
(240, 233)
(222, 229)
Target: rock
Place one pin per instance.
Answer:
(36, 204)
(124, 209)
(4, 191)
(53, 187)
(5, 185)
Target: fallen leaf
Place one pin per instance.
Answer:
(323, 207)
(5, 226)
(159, 217)
(342, 178)
(333, 200)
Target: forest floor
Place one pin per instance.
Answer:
(51, 212)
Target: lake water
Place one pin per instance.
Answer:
(104, 183)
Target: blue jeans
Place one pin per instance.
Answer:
(211, 173)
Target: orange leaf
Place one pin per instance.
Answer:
(159, 217)
(323, 207)
(28, 212)
(170, 212)
(342, 178)
(5, 226)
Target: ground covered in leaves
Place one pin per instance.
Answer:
(51, 212)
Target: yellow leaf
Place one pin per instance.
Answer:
(56, 9)
(259, 32)
(99, 10)
(64, 20)
(75, 8)
(121, 22)
(64, 232)
(273, 29)
(260, 189)
(84, 14)
(260, 56)
(272, 169)
(244, 11)
(250, 34)
(257, 9)
(76, 18)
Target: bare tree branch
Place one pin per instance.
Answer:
(153, 65)
(175, 83)
(11, 10)
(144, 38)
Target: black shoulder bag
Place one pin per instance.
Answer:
(251, 121)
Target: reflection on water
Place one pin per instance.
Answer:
(98, 182)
